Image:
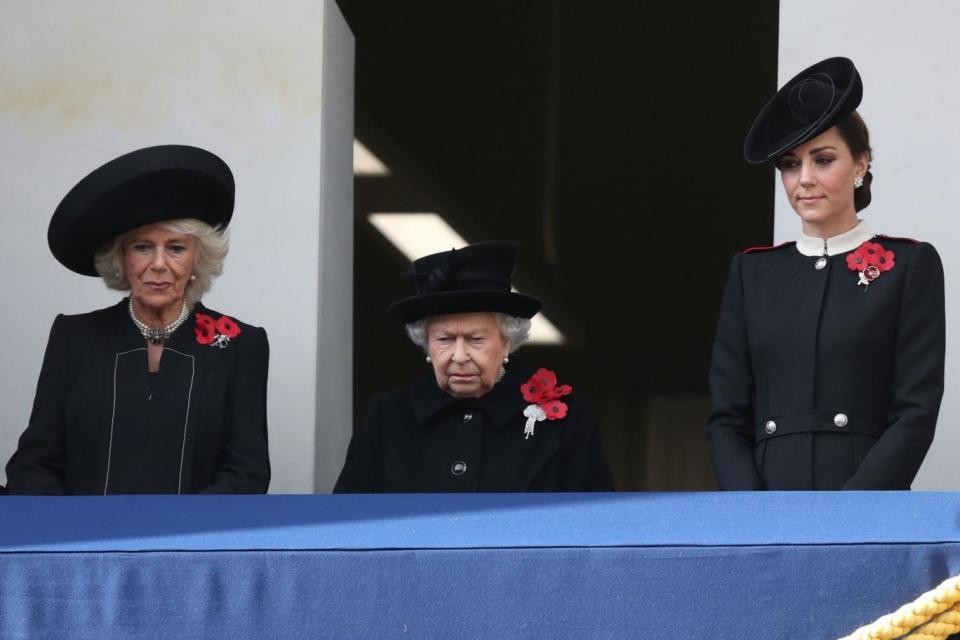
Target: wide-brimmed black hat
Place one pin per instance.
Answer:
(139, 188)
(809, 104)
(475, 278)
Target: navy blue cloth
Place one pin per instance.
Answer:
(737, 565)
(819, 384)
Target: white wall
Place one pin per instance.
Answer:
(908, 55)
(258, 84)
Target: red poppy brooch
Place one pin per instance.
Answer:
(216, 333)
(870, 260)
(544, 393)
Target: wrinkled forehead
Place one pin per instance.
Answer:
(463, 323)
(158, 232)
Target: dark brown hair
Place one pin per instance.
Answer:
(854, 132)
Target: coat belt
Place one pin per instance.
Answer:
(820, 421)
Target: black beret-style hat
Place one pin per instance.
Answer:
(139, 188)
(475, 278)
(810, 103)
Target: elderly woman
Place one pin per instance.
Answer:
(829, 357)
(156, 394)
(481, 420)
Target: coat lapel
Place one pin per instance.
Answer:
(504, 403)
(120, 339)
(194, 360)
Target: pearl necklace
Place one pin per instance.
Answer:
(157, 336)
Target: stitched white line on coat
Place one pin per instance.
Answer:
(186, 418)
(113, 415)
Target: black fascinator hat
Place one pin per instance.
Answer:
(810, 103)
(475, 278)
(139, 188)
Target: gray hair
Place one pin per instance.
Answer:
(212, 247)
(514, 329)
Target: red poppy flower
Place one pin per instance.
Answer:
(545, 377)
(555, 409)
(204, 328)
(543, 390)
(870, 253)
(857, 260)
(228, 327)
(532, 391)
(884, 260)
(561, 390)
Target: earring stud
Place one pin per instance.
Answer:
(857, 182)
(428, 359)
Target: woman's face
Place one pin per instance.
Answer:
(467, 351)
(818, 179)
(158, 263)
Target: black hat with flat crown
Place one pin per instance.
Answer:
(473, 279)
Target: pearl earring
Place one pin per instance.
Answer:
(506, 360)
(193, 277)
(116, 274)
(857, 182)
(428, 359)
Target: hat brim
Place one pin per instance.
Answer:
(772, 135)
(446, 302)
(137, 189)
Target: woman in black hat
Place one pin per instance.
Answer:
(156, 394)
(829, 356)
(481, 420)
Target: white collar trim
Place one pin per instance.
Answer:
(810, 246)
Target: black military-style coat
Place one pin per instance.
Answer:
(417, 438)
(101, 425)
(819, 382)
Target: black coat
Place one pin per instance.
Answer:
(420, 439)
(100, 424)
(796, 347)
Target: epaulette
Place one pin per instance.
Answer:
(886, 237)
(770, 247)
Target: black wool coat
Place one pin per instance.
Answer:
(417, 438)
(101, 425)
(820, 383)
